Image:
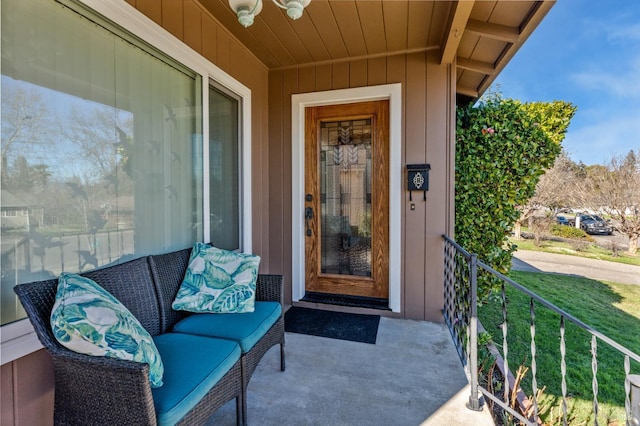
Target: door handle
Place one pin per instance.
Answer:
(308, 215)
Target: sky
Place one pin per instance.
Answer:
(586, 52)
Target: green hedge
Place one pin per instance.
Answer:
(565, 231)
(502, 148)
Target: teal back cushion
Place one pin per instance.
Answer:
(218, 281)
(87, 319)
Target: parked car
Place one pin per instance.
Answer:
(593, 224)
(562, 220)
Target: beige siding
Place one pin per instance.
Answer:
(426, 119)
(415, 152)
(26, 391)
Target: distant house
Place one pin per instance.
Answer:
(15, 212)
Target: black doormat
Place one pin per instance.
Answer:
(345, 300)
(336, 325)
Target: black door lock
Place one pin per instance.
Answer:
(308, 215)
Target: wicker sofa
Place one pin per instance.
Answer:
(210, 369)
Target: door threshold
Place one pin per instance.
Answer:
(346, 300)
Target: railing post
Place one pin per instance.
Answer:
(634, 381)
(474, 398)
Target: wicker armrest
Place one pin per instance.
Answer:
(111, 390)
(88, 389)
(269, 288)
(117, 367)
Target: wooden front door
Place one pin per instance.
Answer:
(347, 199)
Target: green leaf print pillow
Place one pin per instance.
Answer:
(88, 319)
(218, 281)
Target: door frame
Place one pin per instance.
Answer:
(392, 92)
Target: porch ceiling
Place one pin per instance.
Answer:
(479, 36)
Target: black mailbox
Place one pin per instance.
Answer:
(418, 178)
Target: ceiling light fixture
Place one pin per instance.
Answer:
(294, 7)
(247, 10)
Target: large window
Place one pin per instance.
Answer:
(102, 148)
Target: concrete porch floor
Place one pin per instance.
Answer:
(411, 376)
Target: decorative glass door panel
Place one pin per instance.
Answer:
(347, 199)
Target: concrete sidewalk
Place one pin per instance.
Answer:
(601, 270)
(411, 376)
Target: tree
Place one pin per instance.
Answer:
(502, 149)
(25, 119)
(25, 178)
(92, 131)
(554, 119)
(553, 191)
(614, 189)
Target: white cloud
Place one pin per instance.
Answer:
(610, 51)
(616, 22)
(624, 84)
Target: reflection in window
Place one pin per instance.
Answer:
(224, 169)
(101, 148)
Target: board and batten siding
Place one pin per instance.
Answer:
(428, 120)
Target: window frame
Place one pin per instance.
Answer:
(244, 168)
(18, 339)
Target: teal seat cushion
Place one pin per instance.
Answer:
(246, 329)
(192, 366)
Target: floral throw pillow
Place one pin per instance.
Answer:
(87, 319)
(218, 281)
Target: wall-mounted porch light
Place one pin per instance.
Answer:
(247, 10)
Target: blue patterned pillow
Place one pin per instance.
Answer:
(218, 281)
(87, 319)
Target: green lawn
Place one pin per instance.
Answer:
(611, 308)
(592, 251)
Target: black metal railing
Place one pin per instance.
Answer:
(33, 256)
(461, 315)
